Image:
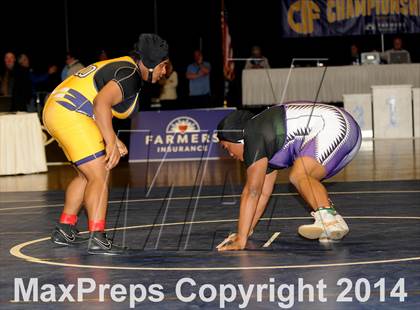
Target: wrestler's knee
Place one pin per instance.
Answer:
(94, 171)
(295, 177)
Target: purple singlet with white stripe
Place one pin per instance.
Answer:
(326, 133)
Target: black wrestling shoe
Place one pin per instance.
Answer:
(66, 234)
(100, 244)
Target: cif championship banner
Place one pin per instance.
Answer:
(176, 135)
(349, 17)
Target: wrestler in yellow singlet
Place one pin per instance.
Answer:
(68, 113)
(78, 114)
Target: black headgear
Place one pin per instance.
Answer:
(231, 128)
(151, 49)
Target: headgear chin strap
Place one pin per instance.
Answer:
(150, 75)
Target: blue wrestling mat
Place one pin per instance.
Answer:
(173, 263)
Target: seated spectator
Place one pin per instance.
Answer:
(168, 86)
(72, 66)
(198, 73)
(257, 60)
(397, 46)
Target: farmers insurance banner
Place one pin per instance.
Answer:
(349, 17)
(176, 135)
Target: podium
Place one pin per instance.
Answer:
(360, 107)
(392, 111)
(416, 112)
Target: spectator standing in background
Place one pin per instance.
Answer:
(7, 77)
(168, 93)
(102, 55)
(354, 55)
(72, 66)
(24, 63)
(257, 60)
(16, 83)
(37, 80)
(198, 73)
(397, 46)
(54, 78)
(22, 88)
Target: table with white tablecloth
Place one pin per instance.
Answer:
(22, 148)
(305, 83)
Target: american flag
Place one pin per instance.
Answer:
(228, 65)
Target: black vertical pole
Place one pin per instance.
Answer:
(155, 14)
(66, 25)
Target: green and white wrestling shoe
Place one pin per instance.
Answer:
(328, 226)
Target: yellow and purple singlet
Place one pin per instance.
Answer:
(68, 112)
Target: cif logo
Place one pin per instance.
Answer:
(301, 16)
(182, 125)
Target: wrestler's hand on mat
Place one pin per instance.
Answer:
(230, 238)
(234, 243)
(122, 148)
(226, 241)
(113, 155)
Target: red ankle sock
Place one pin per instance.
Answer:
(97, 225)
(68, 219)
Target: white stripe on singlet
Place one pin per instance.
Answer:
(327, 123)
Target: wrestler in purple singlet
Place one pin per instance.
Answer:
(288, 131)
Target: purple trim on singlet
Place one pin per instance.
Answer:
(285, 158)
(79, 103)
(90, 158)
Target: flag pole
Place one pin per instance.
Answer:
(383, 42)
(222, 12)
